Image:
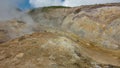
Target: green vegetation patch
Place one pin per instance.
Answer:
(45, 9)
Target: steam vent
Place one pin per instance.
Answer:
(62, 37)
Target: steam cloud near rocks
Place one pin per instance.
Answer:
(9, 10)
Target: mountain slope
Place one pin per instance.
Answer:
(63, 37)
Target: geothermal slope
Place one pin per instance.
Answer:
(63, 37)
